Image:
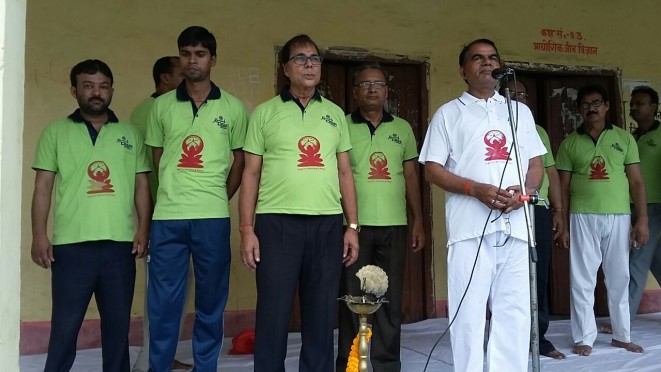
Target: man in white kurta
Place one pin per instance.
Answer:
(468, 153)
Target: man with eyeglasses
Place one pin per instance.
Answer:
(386, 177)
(599, 169)
(548, 224)
(468, 153)
(296, 184)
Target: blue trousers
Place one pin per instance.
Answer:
(172, 244)
(303, 251)
(645, 259)
(107, 270)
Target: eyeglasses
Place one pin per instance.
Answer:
(508, 229)
(301, 59)
(594, 104)
(378, 85)
(518, 95)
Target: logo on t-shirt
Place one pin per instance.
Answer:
(329, 120)
(125, 142)
(378, 167)
(395, 138)
(220, 122)
(191, 156)
(650, 142)
(598, 169)
(617, 147)
(309, 156)
(496, 149)
(99, 175)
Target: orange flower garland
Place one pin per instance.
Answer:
(354, 356)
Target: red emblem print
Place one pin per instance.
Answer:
(99, 174)
(379, 167)
(309, 156)
(192, 147)
(598, 169)
(496, 149)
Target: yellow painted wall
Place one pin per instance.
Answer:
(129, 35)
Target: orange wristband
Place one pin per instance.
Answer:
(467, 188)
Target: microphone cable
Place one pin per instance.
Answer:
(479, 246)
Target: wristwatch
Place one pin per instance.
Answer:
(355, 226)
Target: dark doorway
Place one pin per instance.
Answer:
(408, 99)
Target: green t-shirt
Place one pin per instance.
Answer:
(377, 162)
(649, 147)
(548, 161)
(140, 117)
(94, 183)
(599, 183)
(197, 152)
(299, 154)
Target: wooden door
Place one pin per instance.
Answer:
(407, 98)
(553, 102)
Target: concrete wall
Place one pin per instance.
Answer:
(129, 35)
(12, 40)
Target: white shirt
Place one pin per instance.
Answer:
(471, 138)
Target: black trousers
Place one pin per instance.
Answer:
(107, 270)
(543, 236)
(305, 251)
(383, 246)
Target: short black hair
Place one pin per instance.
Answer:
(163, 65)
(297, 40)
(589, 89)
(369, 66)
(90, 66)
(464, 50)
(644, 89)
(197, 35)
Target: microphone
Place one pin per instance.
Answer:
(500, 73)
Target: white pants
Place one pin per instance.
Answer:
(501, 279)
(142, 363)
(599, 239)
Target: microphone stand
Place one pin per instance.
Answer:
(532, 263)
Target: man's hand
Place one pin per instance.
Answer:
(140, 244)
(557, 226)
(42, 252)
(350, 253)
(417, 236)
(640, 232)
(564, 239)
(249, 249)
(490, 195)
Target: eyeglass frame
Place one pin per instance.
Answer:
(594, 104)
(518, 95)
(378, 85)
(303, 62)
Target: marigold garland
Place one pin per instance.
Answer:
(354, 356)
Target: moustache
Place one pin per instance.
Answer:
(95, 99)
(593, 113)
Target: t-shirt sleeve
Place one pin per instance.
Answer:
(436, 147)
(547, 158)
(46, 154)
(142, 159)
(239, 127)
(564, 162)
(345, 140)
(254, 141)
(410, 146)
(632, 156)
(155, 134)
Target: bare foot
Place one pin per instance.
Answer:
(629, 346)
(582, 350)
(555, 354)
(605, 328)
(180, 365)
